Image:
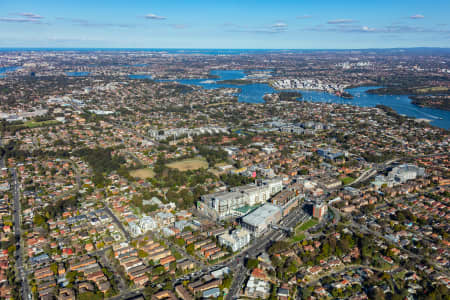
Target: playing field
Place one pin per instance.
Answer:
(347, 180)
(189, 164)
(305, 226)
(143, 173)
(33, 124)
(299, 238)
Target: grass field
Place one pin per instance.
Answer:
(305, 226)
(143, 173)
(299, 238)
(33, 124)
(189, 164)
(347, 180)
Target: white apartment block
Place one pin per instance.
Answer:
(224, 204)
(237, 240)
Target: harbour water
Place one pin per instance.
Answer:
(77, 74)
(4, 70)
(253, 93)
(140, 76)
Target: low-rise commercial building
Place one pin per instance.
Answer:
(258, 221)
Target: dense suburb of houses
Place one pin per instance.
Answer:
(128, 189)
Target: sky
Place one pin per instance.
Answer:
(241, 24)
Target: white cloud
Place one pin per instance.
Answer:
(280, 25)
(415, 17)
(368, 29)
(390, 29)
(341, 21)
(31, 15)
(20, 20)
(154, 17)
(25, 17)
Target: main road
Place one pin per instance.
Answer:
(259, 245)
(236, 263)
(24, 287)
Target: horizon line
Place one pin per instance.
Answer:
(193, 48)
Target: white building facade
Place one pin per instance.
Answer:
(222, 205)
(237, 240)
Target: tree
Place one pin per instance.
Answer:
(187, 229)
(149, 291)
(90, 296)
(306, 292)
(292, 268)
(188, 199)
(278, 247)
(142, 253)
(376, 294)
(173, 265)
(11, 250)
(180, 242)
(150, 208)
(233, 180)
(251, 263)
(226, 282)
(39, 220)
(325, 249)
(190, 249)
(54, 268)
(159, 270)
(70, 276)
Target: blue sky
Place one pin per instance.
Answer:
(264, 24)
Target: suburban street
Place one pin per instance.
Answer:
(365, 229)
(118, 223)
(186, 255)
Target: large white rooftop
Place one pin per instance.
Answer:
(261, 214)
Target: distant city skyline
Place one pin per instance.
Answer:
(245, 24)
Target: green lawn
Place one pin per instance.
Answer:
(299, 238)
(347, 180)
(189, 164)
(33, 124)
(305, 226)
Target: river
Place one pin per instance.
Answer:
(5, 70)
(254, 92)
